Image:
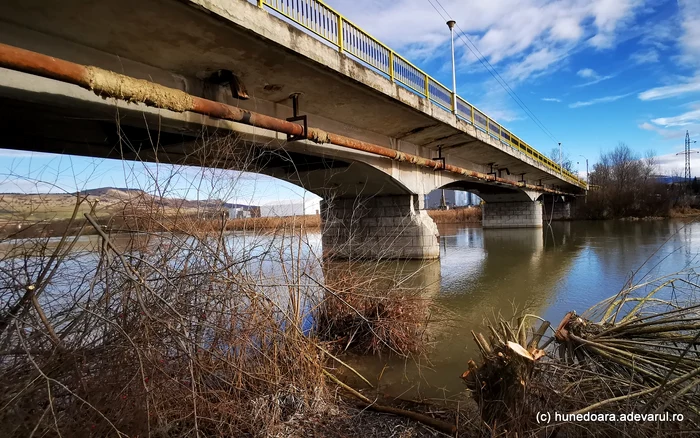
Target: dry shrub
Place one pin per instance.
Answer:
(634, 353)
(275, 223)
(168, 337)
(456, 215)
(369, 310)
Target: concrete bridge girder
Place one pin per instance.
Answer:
(186, 44)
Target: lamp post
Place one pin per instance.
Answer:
(587, 183)
(451, 25)
(561, 161)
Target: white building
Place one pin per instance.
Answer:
(291, 207)
(453, 198)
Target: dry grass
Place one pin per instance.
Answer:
(635, 352)
(311, 221)
(368, 312)
(456, 215)
(178, 331)
(166, 338)
(683, 212)
(176, 328)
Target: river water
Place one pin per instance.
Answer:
(481, 273)
(549, 271)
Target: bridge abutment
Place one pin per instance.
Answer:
(516, 214)
(380, 227)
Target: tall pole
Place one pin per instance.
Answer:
(587, 175)
(687, 157)
(561, 160)
(451, 25)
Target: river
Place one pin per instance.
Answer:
(481, 273)
(548, 272)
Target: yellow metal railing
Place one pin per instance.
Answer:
(326, 23)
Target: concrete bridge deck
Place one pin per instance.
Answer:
(181, 43)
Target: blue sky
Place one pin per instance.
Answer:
(595, 73)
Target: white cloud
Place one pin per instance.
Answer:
(609, 16)
(689, 12)
(688, 40)
(551, 99)
(606, 99)
(688, 85)
(685, 119)
(534, 40)
(668, 134)
(587, 73)
(673, 164)
(595, 81)
(650, 56)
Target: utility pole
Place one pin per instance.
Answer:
(451, 25)
(687, 176)
(561, 161)
(687, 157)
(588, 184)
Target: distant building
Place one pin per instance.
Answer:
(240, 211)
(291, 208)
(453, 198)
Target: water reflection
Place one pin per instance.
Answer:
(548, 271)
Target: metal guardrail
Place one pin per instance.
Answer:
(326, 23)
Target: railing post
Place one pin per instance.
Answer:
(454, 103)
(488, 125)
(340, 33)
(472, 114)
(391, 65)
(427, 87)
(261, 3)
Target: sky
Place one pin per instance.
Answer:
(593, 72)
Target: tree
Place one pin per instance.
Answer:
(627, 186)
(567, 164)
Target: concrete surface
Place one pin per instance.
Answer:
(383, 227)
(525, 214)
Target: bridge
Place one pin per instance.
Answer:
(322, 103)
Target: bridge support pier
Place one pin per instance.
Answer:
(554, 208)
(377, 228)
(516, 214)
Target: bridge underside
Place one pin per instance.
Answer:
(368, 213)
(180, 42)
(173, 44)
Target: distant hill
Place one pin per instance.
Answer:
(112, 200)
(669, 179)
(111, 191)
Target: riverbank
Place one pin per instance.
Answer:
(165, 309)
(162, 222)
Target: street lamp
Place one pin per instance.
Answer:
(451, 25)
(561, 161)
(587, 183)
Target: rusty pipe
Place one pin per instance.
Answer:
(106, 83)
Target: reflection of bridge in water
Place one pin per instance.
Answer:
(483, 273)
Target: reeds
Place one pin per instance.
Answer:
(456, 215)
(169, 337)
(636, 352)
(369, 311)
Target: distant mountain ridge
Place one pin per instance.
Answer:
(127, 193)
